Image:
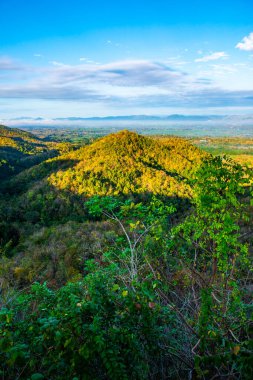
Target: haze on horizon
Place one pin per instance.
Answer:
(84, 59)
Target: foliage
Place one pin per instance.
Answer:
(94, 329)
(20, 150)
(214, 227)
(56, 254)
(209, 244)
(126, 163)
(136, 221)
(139, 284)
(9, 236)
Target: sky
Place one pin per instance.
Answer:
(88, 58)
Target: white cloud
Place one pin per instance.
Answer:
(38, 55)
(125, 83)
(212, 57)
(222, 68)
(176, 61)
(56, 63)
(246, 44)
(121, 79)
(8, 64)
(87, 60)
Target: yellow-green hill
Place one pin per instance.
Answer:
(123, 163)
(126, 162)
(20, 150)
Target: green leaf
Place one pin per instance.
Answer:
(37, 376)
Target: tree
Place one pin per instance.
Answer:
(210, 248)
(136, 221)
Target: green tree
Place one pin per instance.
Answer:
(136, 221)
(209, 246)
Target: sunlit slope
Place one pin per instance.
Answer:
(126, 162)
(16, 133)
(20, 150)
(119, 163)
(19, 140)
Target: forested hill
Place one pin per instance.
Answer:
(118, 164)
(16, 133)
(126, 162)
(20, 150)
(124, 165)
(21, 142)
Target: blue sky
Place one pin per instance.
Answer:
(97, 58)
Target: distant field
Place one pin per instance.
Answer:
(213, 128)
(240, 149)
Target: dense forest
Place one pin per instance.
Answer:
(124, 257)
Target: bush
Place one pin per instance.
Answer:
(94, 329)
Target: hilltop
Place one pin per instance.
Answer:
(126, 162)
(120, 163)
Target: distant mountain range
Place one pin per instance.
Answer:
(174, 124)
(173, 117)
(162, 118)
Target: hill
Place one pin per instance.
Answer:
(126, 162)
(20, 141)
(123, 165)
(16, 133)
(119, 164)
(20, 150)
